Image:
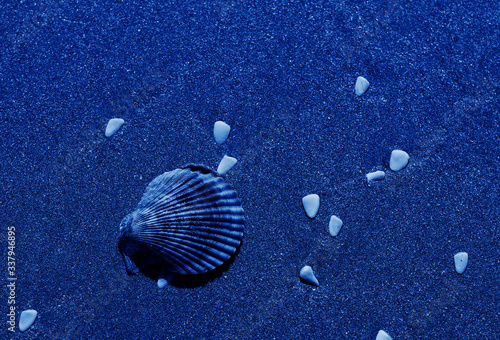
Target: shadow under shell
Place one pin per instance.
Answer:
(153, 271)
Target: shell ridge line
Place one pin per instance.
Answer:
(198, 202)
(163, 198)
(218, 225)
(181, 246)
(195, 215)
(156, 194)
(162, 185)
(202, 191)
(208, 212)
(215, 225)
(204, 195)
(203, 182)
(221, 235)
(202, 207)
(174, 199)
(153, 189)
(190, 184)
(165, 205)
(201, 235)
(214, 199)
(189, 252)
(167, 252)
(181, 264)
(202, 212)
(186, 260)
(218, 241)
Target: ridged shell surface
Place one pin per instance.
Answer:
(189, 220)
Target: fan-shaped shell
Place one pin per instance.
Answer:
(189, 220)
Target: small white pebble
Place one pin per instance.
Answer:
(306, 273)
(461, 260)
(399, 159)
(334, 225)
(226, 164)
(27, 319)
(375, 176)
(113, 125)
(361, 86)
(311, 204)
(164, 278)
(221, 131)
(382, 335)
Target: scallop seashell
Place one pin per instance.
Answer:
(189, 220)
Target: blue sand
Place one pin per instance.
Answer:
(282, 74)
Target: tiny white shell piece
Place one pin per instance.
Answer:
(27, 319)
(113, 125)
(165, 278)
(306, 273)
(311, 204)
(375, 176)
(461, 260)
(334, 225)
(361, 86)
(226, 164)
(382, 335)
(399, 159)
(221, 131)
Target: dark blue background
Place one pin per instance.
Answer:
(282, 74)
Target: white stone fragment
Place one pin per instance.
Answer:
(311, 204)
(399, 159)
(27, 319)
(113, 125)
(221, 131)
(226, 164)
(361, 86)
(334, 225)
(306, 273)
(382, 335)
(164, 278)
(461, 260)
(375, 176)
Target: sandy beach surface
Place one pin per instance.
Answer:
(282, 75)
